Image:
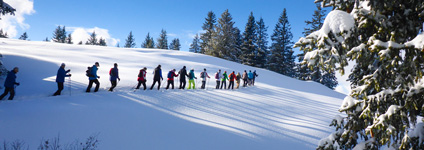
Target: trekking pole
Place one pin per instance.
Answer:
(70, 86)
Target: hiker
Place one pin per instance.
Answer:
(232, 77)
(114, 74)
(60, 78)
(142, 78)
(238, 77)
(157, 77)
(183, 75)
(92, 76)
(244, 77)
(254, 76)
(10, 83)
(171, 75)
(191, 78)
(224, 80)
(250, 76)
(203, 75)
(218, 78)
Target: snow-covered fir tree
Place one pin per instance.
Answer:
(223, 42)
(249, 46)
(102, 42)
(46, 40)
(117, 45)
(318, 74)
(209, 28)
(5, 8)
(262, 43)
(162, 40)
(69, 39)
(80, 43)
(384, 40)
(281, 57)
(92, 40)
(175, 44)
(24, 36)
(195, 45)
(148, 42)
(130, 41)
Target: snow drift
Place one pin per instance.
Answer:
(278, 113)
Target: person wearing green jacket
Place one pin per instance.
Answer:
(191, 78)
(224, 80)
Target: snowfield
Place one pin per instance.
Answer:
(277, 113)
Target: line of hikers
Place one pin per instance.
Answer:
(91, 73)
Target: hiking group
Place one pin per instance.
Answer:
(91, 72)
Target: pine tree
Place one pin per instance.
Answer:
(80, 43)
(46, 40)
(162, 40)
(281, 59)
(102, 42)
(175, 44)
(148, 42)
(69, 39)
(383, 39)
(130, 41)
(249, 46)
(24, 36)
(262, 43)
(194, 46)
(223, 42)
(209, 28)
(92, 40)
(3, 35)
(117, 45)
(59, 35)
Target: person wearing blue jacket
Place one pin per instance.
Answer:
(250, 76)
(10, 83)
(93, 78)
(60, 78)
(114, 74)
(157, 77)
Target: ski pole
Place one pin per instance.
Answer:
(70, 86)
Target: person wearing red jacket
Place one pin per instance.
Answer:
(232, 78)
(171, 76)
(142, 78)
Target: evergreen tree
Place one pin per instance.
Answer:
(59, 35)
(175, 44)
(195, 47)
(6, 8)
(148, 42)
(80, 43)
(162, 40)
(223, 42)
(102, 42)
(3, 35)
(249, 46)
(117, 45)
(209, 28)
(92, 40)
(24, 36)
(130, 41)
(69, 39)
(262, 43)
(384, 41)
(46, 40)
(281, 59)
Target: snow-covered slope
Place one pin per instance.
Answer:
(278, 113)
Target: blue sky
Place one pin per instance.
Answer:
(181, 19)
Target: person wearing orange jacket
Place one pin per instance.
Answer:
(232, 77)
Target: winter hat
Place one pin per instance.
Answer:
(63, 64)
(115, 64)
(97, 63)
(184, 67)
(192, 69)
(145, 68)
(204, 69)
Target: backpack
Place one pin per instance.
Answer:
(170, 74)
(216, 75)
(88, 72)
(111, 72)
(231, 76)
(202, 75)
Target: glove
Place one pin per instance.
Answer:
(18, 84)
(69, 70)
(70, 75)
(119, 79)
(98, 77)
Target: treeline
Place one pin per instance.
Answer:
(250, 47)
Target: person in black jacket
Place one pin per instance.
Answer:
(60, 78)
(183, 74)
(10, 83)
(157, 77)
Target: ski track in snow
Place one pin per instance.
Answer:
(277, 113)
